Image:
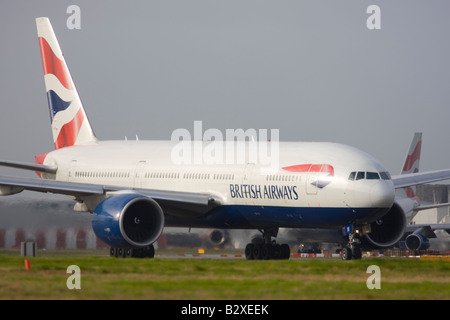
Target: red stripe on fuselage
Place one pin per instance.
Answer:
(53, 65)
(69, 132)
(310, 168)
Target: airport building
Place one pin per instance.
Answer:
(433, 194)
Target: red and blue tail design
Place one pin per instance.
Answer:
(70, 125)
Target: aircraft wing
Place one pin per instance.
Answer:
(85, 189)
(411, 179)
(427, 230)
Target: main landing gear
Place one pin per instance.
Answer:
(144, 252)
(268, 249)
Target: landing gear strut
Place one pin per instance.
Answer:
(144, 252)
(353, 248)
(268, 249)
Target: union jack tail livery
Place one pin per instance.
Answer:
(70, 125)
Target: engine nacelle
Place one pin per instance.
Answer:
(219, 237)
(9, 190)
(128, 220)
(417, 241)
(388, 230)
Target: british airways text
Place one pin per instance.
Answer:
(256, 191)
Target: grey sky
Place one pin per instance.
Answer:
(311, 69)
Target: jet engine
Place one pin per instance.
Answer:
(9, 190)
(388, 230)
(417, 241)
(128, 220)
(219, 237)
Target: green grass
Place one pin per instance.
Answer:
(103, 277)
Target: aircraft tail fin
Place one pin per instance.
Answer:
(70, 125)
(411, 165)
(412, 160)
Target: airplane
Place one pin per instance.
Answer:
(417, 236)
(134, 188)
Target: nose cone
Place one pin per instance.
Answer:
(382, 194)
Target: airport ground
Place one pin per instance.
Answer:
(217, 275)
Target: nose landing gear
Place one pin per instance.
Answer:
(353, 248)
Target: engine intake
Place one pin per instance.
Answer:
(388, 230)
(128, 220)
(219, 237)
(417, 242)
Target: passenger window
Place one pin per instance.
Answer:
(372, 176)
(352, 175)
(360, 175)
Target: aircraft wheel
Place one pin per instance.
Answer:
(356, 253)
(267, 251)
(346, 254)
(276, 251)
(127, 253)
(285, 251)
(249, 248)
(150, 251)
(257, 251)
(145, 252)
(121, 252)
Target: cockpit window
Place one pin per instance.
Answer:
(385, 175)
(360, 175)
(372, 176)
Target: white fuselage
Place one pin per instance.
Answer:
(256, 196)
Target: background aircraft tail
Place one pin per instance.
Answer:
(412, 160)
(411, 165)
(70, 125)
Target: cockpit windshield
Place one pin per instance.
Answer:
(385, 175)
(368, 175)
